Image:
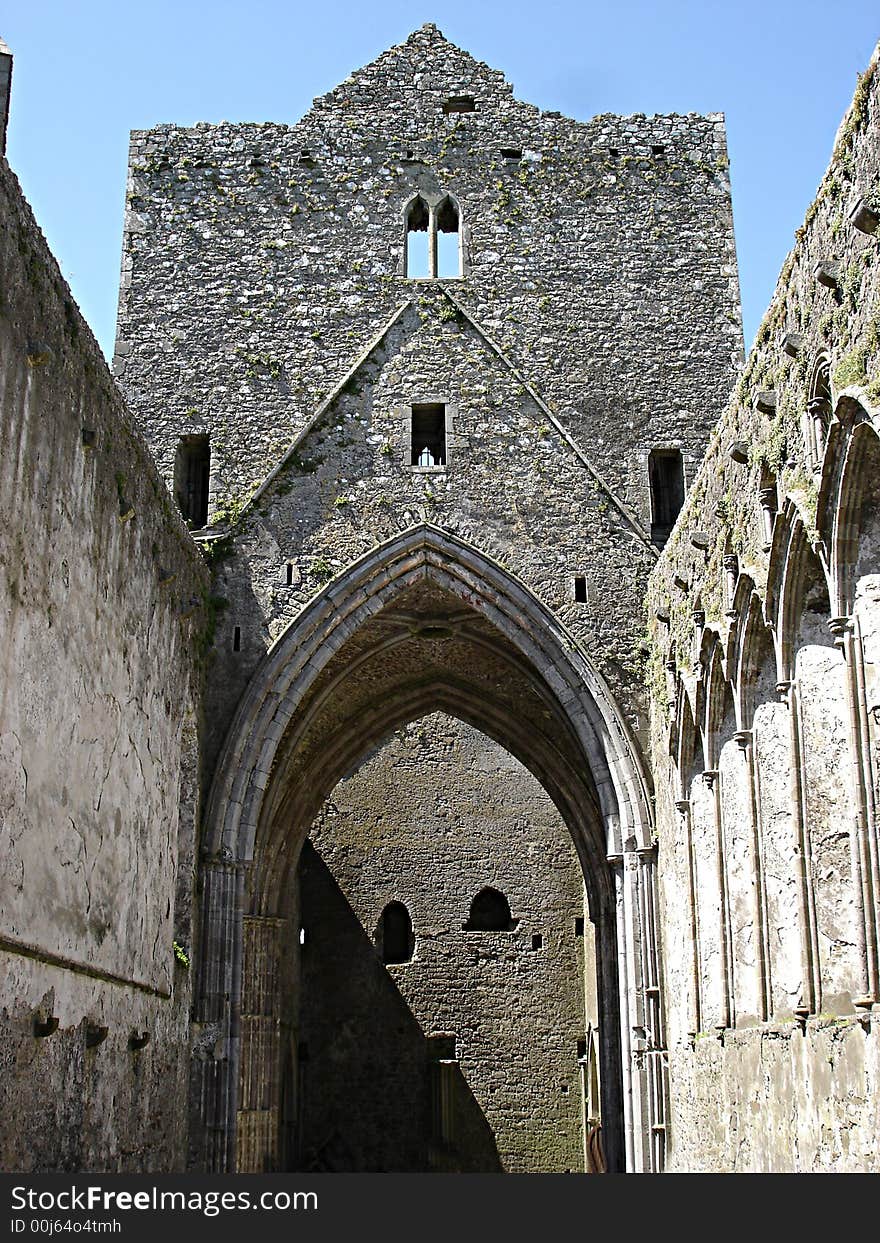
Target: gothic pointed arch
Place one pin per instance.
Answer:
(854, 535)
(423, 622)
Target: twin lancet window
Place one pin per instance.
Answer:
(433, 239)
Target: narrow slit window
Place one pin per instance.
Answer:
(289, 574)
(418, 238)
(395, 939)
(537, 941)
(192, 474)
(580, 589)
(236, 639)
(579, 926)
(666, 479)
(428, 438)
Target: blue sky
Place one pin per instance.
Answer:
(87, 72)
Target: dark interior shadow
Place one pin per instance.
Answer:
(372, 1098)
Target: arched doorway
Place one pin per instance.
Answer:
(423, 623)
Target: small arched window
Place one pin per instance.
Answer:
(490, 912)
(418, 246)
(433, 239)
(448, 240)
(395, 939)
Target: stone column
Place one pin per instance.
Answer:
(810, 983)
(655, 1040)
(259, 1098)
(725, 1018)
(743, 738)
(683, 806)
(819, 411)
(769, 501)
(215, 1035)
(846, 637)
(731, 574)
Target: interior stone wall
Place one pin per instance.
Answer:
(763, 614)
(264, 304)
(433, 816)
(101, 593)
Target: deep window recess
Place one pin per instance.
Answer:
(395, 940)
(192, 472)
(460, 103)
(428, 437)
(433, 240)
(666, 477)
(441, 1048)
(580, 589)
(490, 912)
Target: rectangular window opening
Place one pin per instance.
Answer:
(580, 589)
(582, 1048)
(460, 103)
(236, 639)
(428, 438)
(192, 474)
(441, 1048)
(537, 941)
(511, 153)
(666, 480)
(289, 574)
(579, 926)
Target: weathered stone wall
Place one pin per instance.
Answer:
(763, 613)
(262, 262)
(260, 259)
(100, 595)
(429, 820)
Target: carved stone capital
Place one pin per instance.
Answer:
(819, 407)
(839, 627)
(743, 739)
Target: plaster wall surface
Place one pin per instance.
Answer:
(100, 588)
